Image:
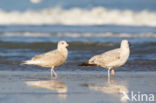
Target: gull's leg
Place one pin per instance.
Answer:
(52, 70)
(55, 74)
(113, 72)
(108, 72)
(109, 75)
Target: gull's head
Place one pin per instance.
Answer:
(62, 44)
(124, 44)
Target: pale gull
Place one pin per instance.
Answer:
(52, 58)
(111, 59)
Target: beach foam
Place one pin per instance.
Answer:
(77, 16)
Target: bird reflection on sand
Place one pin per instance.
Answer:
(111, 88)
(53, 85)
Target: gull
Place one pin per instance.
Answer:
(111, 59)
(52, 58)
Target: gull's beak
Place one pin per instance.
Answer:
(67, 45)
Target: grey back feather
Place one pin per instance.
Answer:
(105, 58)
(49, 59)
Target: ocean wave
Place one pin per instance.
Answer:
(143, 48)
(77, 16)
(77, 35)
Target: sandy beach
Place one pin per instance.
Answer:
(72, 87)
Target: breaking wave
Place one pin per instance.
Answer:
(77, 16)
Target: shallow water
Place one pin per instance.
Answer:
(73, 86)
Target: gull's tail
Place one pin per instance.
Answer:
(26, 62)
(29, 62)
(86, 64)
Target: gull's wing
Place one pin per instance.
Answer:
(49, 59)
(106, 58)
(43, 56)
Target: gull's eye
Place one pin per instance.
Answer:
(62, 42)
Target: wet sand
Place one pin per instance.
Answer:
(73, 87)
